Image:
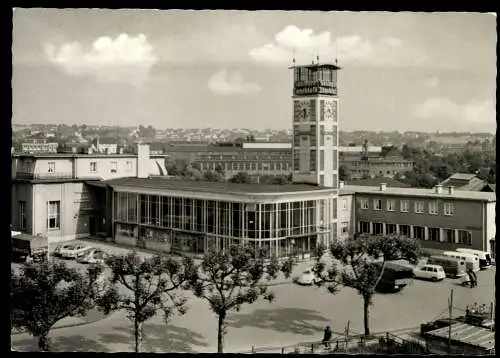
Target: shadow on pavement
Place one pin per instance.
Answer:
(74, 343)
(158, 337)
(294, 320)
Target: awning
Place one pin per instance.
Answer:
(96, 184)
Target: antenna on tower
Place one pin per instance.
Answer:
(293, 60)
(317, 58)
(336, 52)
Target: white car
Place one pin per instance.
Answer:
(93, 256)
(430, 272)
(308, 278)
(59, 248)
(73, 251)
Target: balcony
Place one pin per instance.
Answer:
(42, 176)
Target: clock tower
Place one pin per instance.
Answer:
(315, 124)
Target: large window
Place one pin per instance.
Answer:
(419, 232)
(377, 204)
(364, 227)
(390, 228)
(434, 234)
(93, 167)
(52, 167)
(344, 225)
(344, 204)
(391, 204)
(363, 203)
(378, 228)
(404, 204)
(419, 207)
(114, 166)
(449, 234)
(405, 230)
(433, 207)
(465, 237)
(449, 209)
(54, 213)
(22, 215)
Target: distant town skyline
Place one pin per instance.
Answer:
(229, 69)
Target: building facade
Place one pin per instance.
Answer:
(195, 217)
(440, 218)
(38, 146)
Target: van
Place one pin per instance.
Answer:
(484, 257)
(452, 267)
(394, 278)
(471, 261)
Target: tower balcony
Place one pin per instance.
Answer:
(42, 176)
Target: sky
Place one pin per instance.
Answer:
(229, 69)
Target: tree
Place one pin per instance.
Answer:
(172, 169)
(44, 293)
(355, 264)
(227, 280)
(196, 166)
(151, 285)
(192, 173)
(212, 176)
(241, 177)
(219, 169)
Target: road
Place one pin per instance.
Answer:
(298, 314)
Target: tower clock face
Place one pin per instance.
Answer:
(331, 110)
(302, 110)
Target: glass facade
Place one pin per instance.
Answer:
(168, 223)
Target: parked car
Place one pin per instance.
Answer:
(93, 256)
(307, 278)
(59, 248)
(73, 251)
(430, 272)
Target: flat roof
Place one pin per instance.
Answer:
(428, 193)
(213, 187)
(331, 65)
(468, 334)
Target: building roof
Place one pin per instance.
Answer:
(428, 193)
(77, 155)
(212, 187)
(393, 183)
(465, 181)
(466, 333)
(462, 176)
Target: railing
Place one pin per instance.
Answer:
(36, 176)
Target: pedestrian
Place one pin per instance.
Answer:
(474, 277)
(471, 277)
(327, 337)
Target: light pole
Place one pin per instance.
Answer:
(292, 242)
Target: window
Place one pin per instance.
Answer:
(419, 232)
(52, 167)
(93, 167)
(53, 219)
(419, 207)
(345, 227)
(364, 227)
(390, 228)
(378, 228)
(114, 166)
(129, 166)
(344, 204)
(449, 209)
(377, 204)
(404, 204)
(433, 207)
(364, 203)
(465, 237)
(391, 205)
(434, 234)
(449, 234)
(404, 230)
(22, 215)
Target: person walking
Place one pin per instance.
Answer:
(471, 275)
(327, 337)
(474, 278)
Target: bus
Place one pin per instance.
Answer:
(484, 257)
(395, 277)
(471, 261)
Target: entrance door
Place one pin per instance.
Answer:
(92, 225)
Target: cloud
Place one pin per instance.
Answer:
(474, 111)
(432, 82)
(306, 44)
(230, 83)
(123, 59)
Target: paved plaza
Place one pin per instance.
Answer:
(299, 314)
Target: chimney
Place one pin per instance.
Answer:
(439, 189)
(341, 184)
(143, 165)
(383, 186)
(451, 190)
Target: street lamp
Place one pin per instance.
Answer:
(292, 242)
